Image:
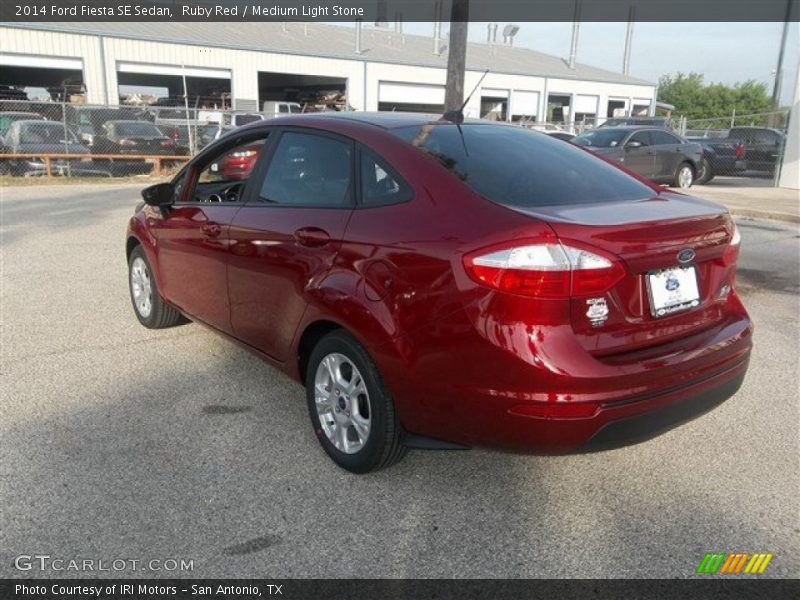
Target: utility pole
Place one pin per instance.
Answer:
(626, 55)
(457, 55)
(776, 90)
(576, 24)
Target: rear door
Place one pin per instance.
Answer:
(667, 154)
(286, 237)
(641, 159)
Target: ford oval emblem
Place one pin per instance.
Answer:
(686, 255)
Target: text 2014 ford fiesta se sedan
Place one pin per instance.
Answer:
(442, 286)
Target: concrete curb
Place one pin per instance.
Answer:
(763, 214)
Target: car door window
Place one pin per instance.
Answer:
(309, 170)
(641, 136)
(380, 185)
(662, 138)
(224, 176)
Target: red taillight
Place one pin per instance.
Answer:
(739, 150)
(732, 251)
(545, 270)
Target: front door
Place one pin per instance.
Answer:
(192, 234)
(286, 238)
(640, 158)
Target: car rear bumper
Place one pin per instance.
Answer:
(643, 426)
(563, 400)
(728, 164)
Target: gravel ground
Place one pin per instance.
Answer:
(124, 443)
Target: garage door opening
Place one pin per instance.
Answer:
(167, 90)
(617, 108)
(494, 104)
(410, 97)
(558, 108)
(313, 93)
(40, 78)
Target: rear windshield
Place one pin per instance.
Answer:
(518, 167)
(44, 133)
(137, 130)
(7, 120)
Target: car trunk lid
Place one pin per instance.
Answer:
(647, 237)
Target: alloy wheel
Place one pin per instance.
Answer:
(342, 403)
(685, 177)
(141, 288)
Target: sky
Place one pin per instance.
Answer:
(722, 52)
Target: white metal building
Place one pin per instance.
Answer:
(378, 69)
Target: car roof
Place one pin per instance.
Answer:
(129, 121)
(21, 112)
(384, 120)
(633, 128)
(22, 122)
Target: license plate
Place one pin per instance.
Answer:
(673, 290)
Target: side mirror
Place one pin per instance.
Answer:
(633, 144)
(160, 194)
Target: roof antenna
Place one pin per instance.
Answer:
(457, 116)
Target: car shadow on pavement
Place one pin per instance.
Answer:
(204, 453)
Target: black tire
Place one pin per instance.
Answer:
(384, 444)
(705, 174)
(676, 178)
(161, 314)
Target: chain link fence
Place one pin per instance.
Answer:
(63, 139)
(69, 139)
(718, 127)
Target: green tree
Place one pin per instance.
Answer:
(694, 99)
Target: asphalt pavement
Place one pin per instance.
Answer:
(123, 443)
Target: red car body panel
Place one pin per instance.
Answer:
(464, 363)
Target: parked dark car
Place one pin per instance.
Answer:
(720, 157)
(42, 137)
(441, 286)
(561, 135)
(203, 135)
(88, 121)
(657, 154)
(763, 146)
(8, 117)
(661, 122)
(132, 137)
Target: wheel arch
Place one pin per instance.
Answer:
(130, 244)
(311, 335)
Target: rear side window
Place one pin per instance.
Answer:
(309, 170)
(661, 138)
(380, 185)
(521, 168)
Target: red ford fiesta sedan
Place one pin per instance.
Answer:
(437, 286)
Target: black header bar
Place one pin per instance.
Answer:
(371, 11)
